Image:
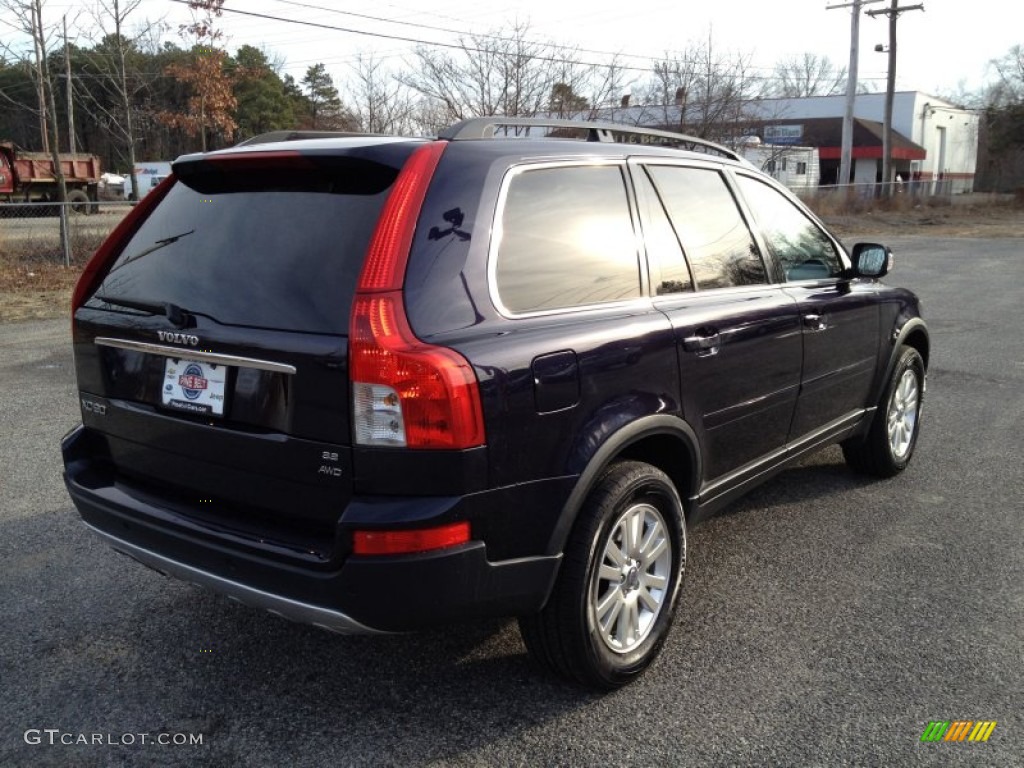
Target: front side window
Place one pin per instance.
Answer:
(567, 240)
(715, 238)
(800, 246)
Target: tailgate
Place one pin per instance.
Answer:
(212, 351)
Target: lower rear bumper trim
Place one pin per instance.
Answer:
(295, 610)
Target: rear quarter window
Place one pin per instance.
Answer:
(565, 239)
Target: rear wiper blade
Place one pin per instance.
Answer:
(174, 313)
(156, 246)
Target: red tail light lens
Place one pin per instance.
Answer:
(407, 542)
(384, 269)
(405, 393)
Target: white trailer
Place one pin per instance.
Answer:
(794, 166)
(148, 174)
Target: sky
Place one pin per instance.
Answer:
(941, 50)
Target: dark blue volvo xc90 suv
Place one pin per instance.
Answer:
(378, 383)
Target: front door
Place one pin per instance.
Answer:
(839, 317)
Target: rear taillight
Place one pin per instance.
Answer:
(405, 392)
(406, 542)
(110, 249)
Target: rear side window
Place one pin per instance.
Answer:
(274, 248)
(566, 240)
(715, 238)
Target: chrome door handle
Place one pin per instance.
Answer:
(815, 322)
(703, 345)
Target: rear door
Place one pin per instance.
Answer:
(212, 354)
(737, 335)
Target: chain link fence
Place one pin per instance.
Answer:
(31, 232)
(857, 198)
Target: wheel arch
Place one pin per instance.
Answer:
(663, 441)
(914, 335)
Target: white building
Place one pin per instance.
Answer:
(946, 136)
(935, 143)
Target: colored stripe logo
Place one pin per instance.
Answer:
(958, 730)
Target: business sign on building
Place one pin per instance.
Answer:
(783, 134)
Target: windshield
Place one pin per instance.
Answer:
(267, 248)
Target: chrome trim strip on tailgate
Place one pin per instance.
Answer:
(195, 354)
(326, 618)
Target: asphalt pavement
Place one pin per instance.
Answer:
(826, 619)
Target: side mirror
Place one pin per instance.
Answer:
(871, 260)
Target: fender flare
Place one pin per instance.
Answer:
(630, 434)
(912, 325)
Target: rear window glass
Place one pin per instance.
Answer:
(567, 240)
(266, 248)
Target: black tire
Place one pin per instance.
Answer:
(567, 637)
(879, 453)
(79, 201)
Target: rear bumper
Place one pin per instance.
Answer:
(347, 593)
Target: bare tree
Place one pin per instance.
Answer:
(503, 73)
(120, 83)
(808, 74)
(703, 91)
(1008, 87)
(1001, 154)
(581, 89)
(28, 15)
(381, 103)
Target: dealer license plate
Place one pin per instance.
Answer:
(194, 386)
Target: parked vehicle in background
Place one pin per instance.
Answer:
(378, 383)
(29, 177)
(148, 175)
(792, 166)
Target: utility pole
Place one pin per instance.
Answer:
(893, 12)
(846, 156)
(71, 104)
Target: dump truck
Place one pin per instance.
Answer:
(28, 177)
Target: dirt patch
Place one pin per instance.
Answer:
(33, 291)
(947, 221)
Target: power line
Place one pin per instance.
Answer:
(448, 30)
(415, 40)
(459, 46)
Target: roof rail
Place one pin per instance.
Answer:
(267, 138)
(485, 128)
